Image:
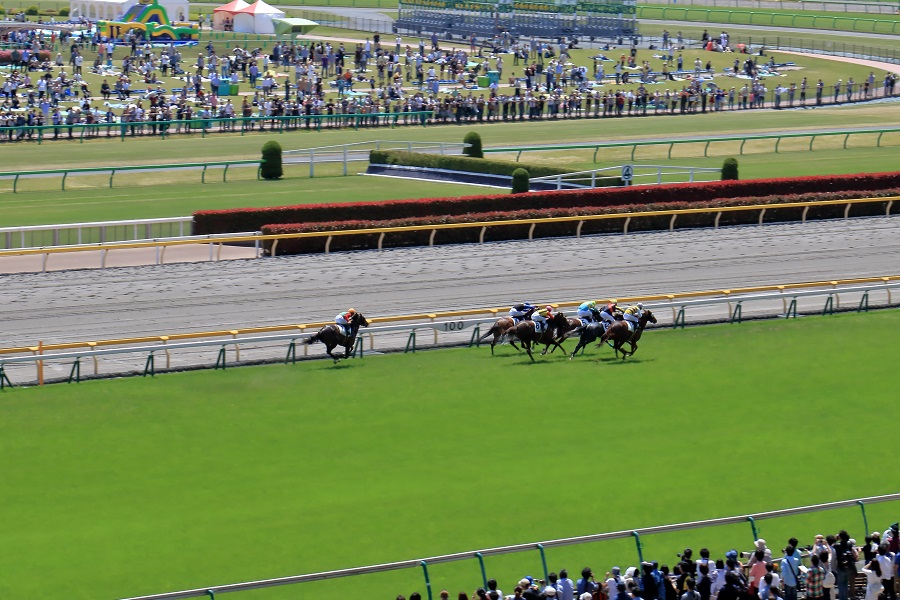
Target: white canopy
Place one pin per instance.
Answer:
(256, 18)
(227, 11)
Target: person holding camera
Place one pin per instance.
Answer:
(586, 584)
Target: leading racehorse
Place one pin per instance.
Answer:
(619, 334)
(333, 336)
(527, 334)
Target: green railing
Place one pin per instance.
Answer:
(15, 175)
(747, 17)
(706, 141)
(242, 125)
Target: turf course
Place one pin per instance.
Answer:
(115, 488)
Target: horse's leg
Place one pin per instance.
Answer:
(328, 349)
(527, 346)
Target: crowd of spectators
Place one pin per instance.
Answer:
(833, 567)
(381, 83)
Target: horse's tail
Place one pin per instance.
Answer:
(492, 331)
(312, 339)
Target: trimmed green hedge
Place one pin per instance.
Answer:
(459, 163)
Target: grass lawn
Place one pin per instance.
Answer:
(134, 486)
(93, 201)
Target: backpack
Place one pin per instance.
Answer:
(846, 559)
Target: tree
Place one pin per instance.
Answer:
(474, 150)
(730, 169)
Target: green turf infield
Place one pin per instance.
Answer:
(134, 486)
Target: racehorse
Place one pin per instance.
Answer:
(619, 334)
(497, 330)
(333, 336)
(527, 334)
(593, 331)
(572, 327)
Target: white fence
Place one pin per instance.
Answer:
(63, 234)
(633, 174)
(359, 152)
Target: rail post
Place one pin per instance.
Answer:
(862, 507)
(4, 380)
(75, 372)
(480, 558)
(410, 342)
(829, 306)
(211, 594)
(736, 315)
(639, 545)
(791, 312)
(679, 319)
(540, 548)
(475, 340)
(864, 307)
(753, 528)
(358, 348)
(291, 352)
(427, 578)
(220, 360)
(150, 366)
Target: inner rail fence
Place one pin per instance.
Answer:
(707, 141)
(31, 236)
(259, 240)
(404, 332)
(540, 547)
(771, 19)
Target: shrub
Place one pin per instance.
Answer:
(471, 235)
(251, 219)
(271, 166)
(474, 150)
(730, 169)
(64, 11)
(32, 11)
(520, 181)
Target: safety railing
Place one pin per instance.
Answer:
(31, 236)
(580, 220)
(772, 19)
(704, 306)
(359, 152)
(644, 174)
(540, 547)
(203, 166)
(203, 126)
(848, 6)
(705, 141)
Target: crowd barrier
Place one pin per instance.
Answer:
(747, 17)
(540, 547)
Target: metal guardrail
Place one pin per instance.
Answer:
(588, 179)
(540, 547)
(94, 231)
(743, 139)
(358, 151)
(16, 175)
(445, 322)
(483, 225)
(748, 17)
(204, 126)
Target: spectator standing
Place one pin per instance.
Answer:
(845, 570)
(565, 586)
(790, 572)
(886, 564)
(873, 580)
(586, 583)
(815, 580)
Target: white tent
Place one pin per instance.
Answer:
(256, 18)
(227, 11)
(99, 10)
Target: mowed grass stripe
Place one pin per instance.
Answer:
(113, 488)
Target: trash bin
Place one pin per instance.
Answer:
(484, 81)
(224, 89)
(493, 77)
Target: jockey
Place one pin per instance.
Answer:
(343, 320)
(540, 318)
(588, 312)
(633, 314)
(521, 311)
(608, 314)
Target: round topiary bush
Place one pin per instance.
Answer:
(474, 149)
(271, 168)
(730, 169)
(520, 181)
(32, 11)
(64, 11)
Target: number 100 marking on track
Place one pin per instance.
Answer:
(454, 326)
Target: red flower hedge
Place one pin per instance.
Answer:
(6, 56)
(252, 219)
(509, 232)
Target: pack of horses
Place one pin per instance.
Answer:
(558, 328)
